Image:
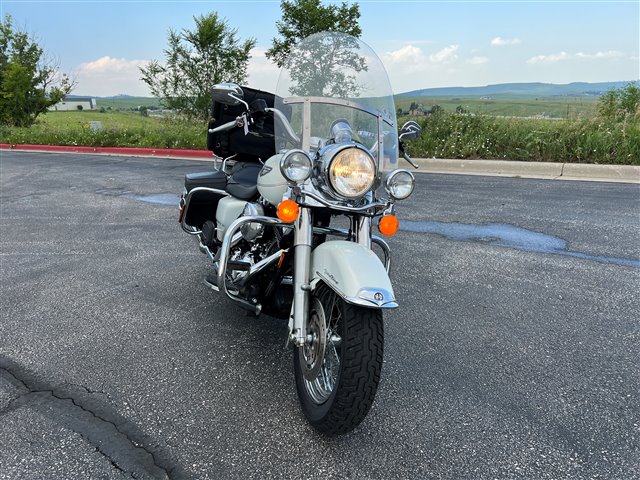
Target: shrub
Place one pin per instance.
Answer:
(619, 104)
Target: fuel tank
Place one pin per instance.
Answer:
(271, 184)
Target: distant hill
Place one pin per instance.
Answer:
(525, 89)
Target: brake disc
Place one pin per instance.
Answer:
(316, 343)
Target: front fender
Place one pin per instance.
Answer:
(353, 272)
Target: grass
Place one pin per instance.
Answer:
(119, 129)
(589, 140)
(571, 108)
(485, 137)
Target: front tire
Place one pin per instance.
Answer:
(337, 382)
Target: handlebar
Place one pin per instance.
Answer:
(288, 130)
(224, 127)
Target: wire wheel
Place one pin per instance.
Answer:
(337, 371)
(321, 360)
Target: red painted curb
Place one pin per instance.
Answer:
(157, 152)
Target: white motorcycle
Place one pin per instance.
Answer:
(325, 145)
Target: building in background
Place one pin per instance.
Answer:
(75, 103)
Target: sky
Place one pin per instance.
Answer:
(423, 44)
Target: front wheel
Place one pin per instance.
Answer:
(338, 370)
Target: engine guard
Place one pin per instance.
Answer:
(353, 272)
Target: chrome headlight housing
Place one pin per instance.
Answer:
(296, 166)
(349, 169)
(399, 184)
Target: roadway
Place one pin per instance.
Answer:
(514, 353)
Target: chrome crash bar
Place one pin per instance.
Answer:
(225, 251)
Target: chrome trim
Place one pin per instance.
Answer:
(363, 210)
(306, 122)
(392, 174)
(366, 296)
(206, 250)
(261, 265)
(223, 127)
(227, 241)
(210, 285)
(327, 156)
(290, 153)
(384, 246)
(303, 237)
(363, 231)
(188, 228)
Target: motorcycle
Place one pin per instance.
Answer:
(290, 167)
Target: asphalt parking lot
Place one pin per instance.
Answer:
(515, 352)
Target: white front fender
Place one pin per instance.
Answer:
(354, 272)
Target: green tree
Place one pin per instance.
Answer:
(29, 82)
(195, 60)
(437, 110)
(620, 103)
(301, 18)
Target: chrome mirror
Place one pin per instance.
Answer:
(228, 94)
(410, 131)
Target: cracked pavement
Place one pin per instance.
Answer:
(117, 362)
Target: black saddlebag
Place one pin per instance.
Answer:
(203, 204)
(257, 144)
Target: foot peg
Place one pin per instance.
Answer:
(211, 279)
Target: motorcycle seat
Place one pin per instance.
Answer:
(243, 183)
(217, 180)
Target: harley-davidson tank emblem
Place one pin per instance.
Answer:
(266, 169)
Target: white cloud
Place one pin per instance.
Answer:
(580, 55)
(108, 76)
(411, 59)
(263, 74)
(477, 60)
(407, 55)
(410, 67)
(501, 42)
(446, 55)
(600, 55)
(557, 57)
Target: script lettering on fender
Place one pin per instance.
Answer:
(327, 274)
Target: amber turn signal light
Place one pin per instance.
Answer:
(288, 211)
(388, 225)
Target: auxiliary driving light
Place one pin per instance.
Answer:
(399, 184)
(296, 166)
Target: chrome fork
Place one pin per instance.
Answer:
(301, 273)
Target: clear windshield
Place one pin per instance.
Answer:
(334, 89)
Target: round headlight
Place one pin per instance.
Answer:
(352, 172)
(296, 166)
(399, 184)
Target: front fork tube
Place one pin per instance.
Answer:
(301, 274)
(302, 268)
(363, 231)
